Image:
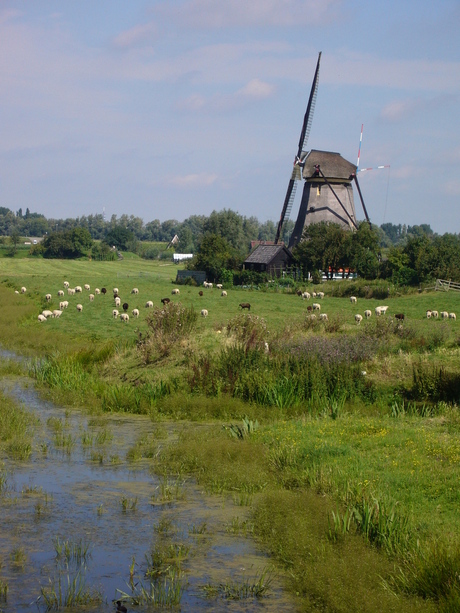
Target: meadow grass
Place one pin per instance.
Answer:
(350, 477)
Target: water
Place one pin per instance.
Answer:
(76, 494)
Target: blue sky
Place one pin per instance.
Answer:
(166, 109)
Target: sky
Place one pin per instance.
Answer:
(167, 109)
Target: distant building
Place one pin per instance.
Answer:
(178, 257)
(271, 259)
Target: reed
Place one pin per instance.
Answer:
(71, 592)
(72, 551)
(128, 505)
(255, 587)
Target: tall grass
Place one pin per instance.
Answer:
(16, 429)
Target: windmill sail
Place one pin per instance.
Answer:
(296, 172)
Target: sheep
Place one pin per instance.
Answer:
(309, 308)
(16, 291)
(125, 306)
(209, 285)
(245, 305)
(312, 316)
(353, 299)
(316, 306)
(428, 314)
(175, 291)
(219, 286)
(367, 313)
(115, 313)
(314, 294)
(205, 284)
(57, 313)
(165, 301)
(266, 347)
(452, 316)
(358, 318)
(378, 311)
(87, 287)
(383, 309)
(148, 304)
(48, 297)
(115, 290)
(103, 291)
(78, 289)
(66, 284)
(61, 305)
(134, 290)
(204, 313)
(124, 317)
(70, 291)
(41, 318)
(306, 296)
(444, 314)
(117, 301)
(135, 312)
(435, 314)
(320, 294)
(97, 291)
(60, 293)
(23, 290)
(323, 317)
(79, 308)
(224, 293)
(47, 313)
(200, 293)
(399, 316)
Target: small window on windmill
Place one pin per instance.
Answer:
(318, 190)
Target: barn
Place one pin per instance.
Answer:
(271, 259)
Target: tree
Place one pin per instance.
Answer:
(120, 237)
(214, 255)
(68, 244)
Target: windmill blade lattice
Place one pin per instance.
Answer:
(296, 174)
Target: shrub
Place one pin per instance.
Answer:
(250, 330)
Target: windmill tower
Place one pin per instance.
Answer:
(327, 194)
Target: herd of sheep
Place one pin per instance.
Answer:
(124, 317)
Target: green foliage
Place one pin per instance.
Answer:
(68, 244)
(121, 238)
(216, 256)
(250, 330)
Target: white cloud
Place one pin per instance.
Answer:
(400, 109)
(255, 90)
(136, 36)
(216, 14)
(193, 180)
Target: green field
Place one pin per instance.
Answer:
(352, 470)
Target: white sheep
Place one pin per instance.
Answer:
(314, 294)
(71, 291)
(87, 287)
(117, 301)
(320, 294)
(205, 284)
(78, 289)
(444, 314)
(60, 293)
(66, 284)
(312, 316)
(323, 317)
(91, 297)
(115, 313)
(358, 318)
(204, 313)
(115, 290)
(134, 290)
(378, 311)
(124, 317)
(48, 297)
(209, 285)
(175, 291)
(367, 313)
(452, 316)
(97, 291)
(224, 293)
(61, 305)
(306, 296)
(383, 309)
(57, 313)
(47, 313)
(435, 314)
(316, 306)
(41, 317)
(16, 291)
(79, 308)
(353, 299)
(149, 304)
(135, 312)
(428, 314)
(266, 347)
(23, 290)
(219, 286)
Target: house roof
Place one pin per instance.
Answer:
(332, 165)
(264, 254)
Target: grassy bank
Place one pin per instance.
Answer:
(351, 473)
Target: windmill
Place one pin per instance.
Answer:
(327, 192)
